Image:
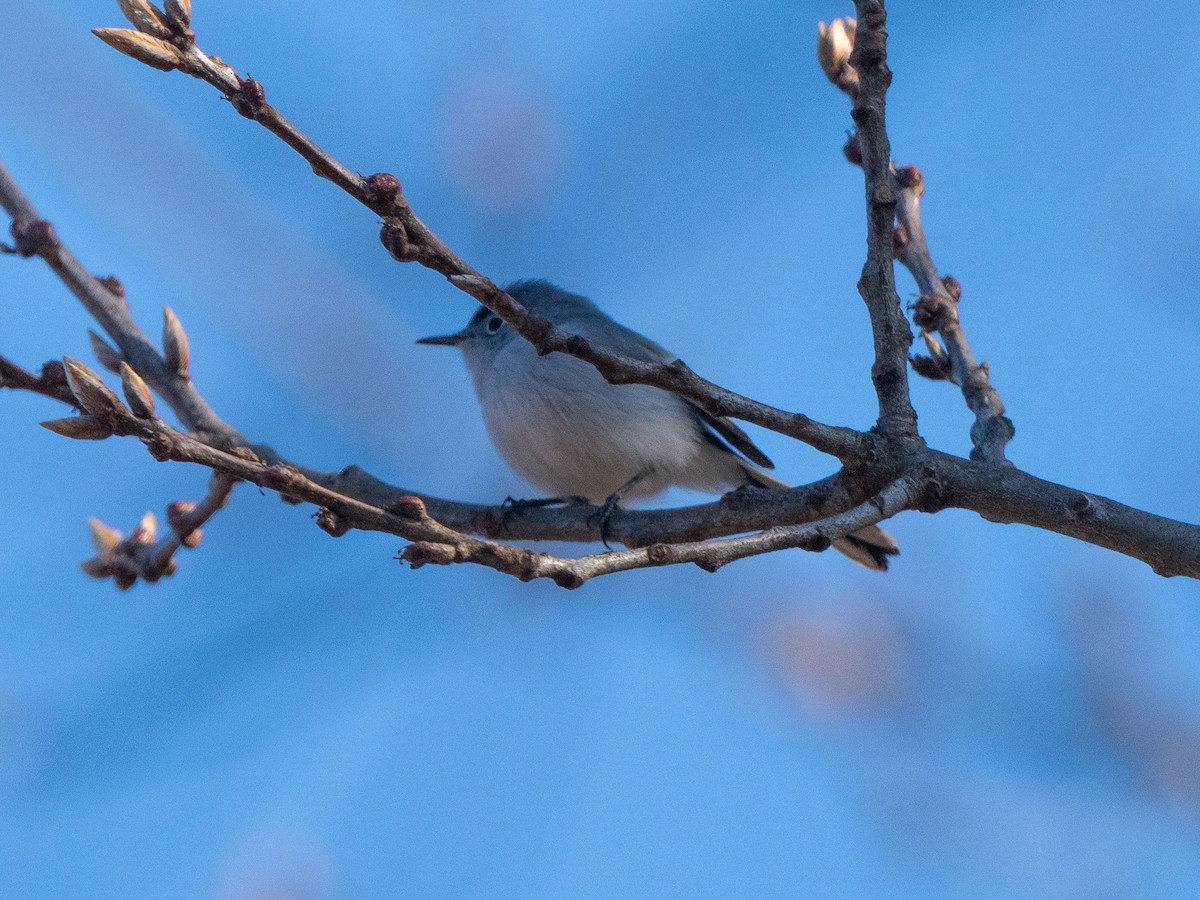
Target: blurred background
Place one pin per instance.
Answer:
(1007, 713)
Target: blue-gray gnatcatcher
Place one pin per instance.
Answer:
(567, 431)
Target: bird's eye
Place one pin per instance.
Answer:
(494, 324)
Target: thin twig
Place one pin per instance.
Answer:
(431, 541)
(709, 555)
(936, 310)
(843, 48)
(105, 301)
(138, 556)
(408, 239)
(51, 383)
(877, 286)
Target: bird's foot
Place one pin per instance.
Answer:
(602, 515)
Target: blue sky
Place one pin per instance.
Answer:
(1007, 713)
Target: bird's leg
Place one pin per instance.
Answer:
(614, 499)
(511, 506)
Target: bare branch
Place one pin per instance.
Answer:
(1008, 495)
(434, 543)
(51, 383)
(877, 286)
(888, 470)
(126, 560)
(102, 298)
(936, 310)
(708, 555)
(408, 239)
(738, 512)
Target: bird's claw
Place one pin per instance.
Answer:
(601, 518)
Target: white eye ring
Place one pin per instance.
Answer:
(494, 324)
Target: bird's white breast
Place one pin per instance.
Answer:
(568, 432)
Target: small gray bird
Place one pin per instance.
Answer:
(567, 431)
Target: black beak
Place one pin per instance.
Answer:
(445, 340)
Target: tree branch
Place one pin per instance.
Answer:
(136, 556)
(877, 286)
(104, 299)
(51, 383)
(408, 239)
(936, 309)
(888, 470)
(1007, 495)
(735, 513)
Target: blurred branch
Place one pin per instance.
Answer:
(126, 559)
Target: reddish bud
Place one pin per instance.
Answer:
(54, 372)
(928, 367)
(331, 523)
(412, 508)
(32, 236)
(909, 177)
(426, 553)
(382, 186)
(249, 99)
(113, 284)
(394, 238)
(950, 283)
(852, 150)
(178, 514)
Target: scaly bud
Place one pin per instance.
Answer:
(92, 393)
(142, 47)
(179, 12)
(178, 513)
(833, 48)
(175, 345)
(97, 568)
(395, 240)
(79, 428)
(105, 355)
(145, 531)
(137, 395)
(104, 537)
(145, 18)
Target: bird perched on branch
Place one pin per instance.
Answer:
(567, 431)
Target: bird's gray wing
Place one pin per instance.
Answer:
(629, 343)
